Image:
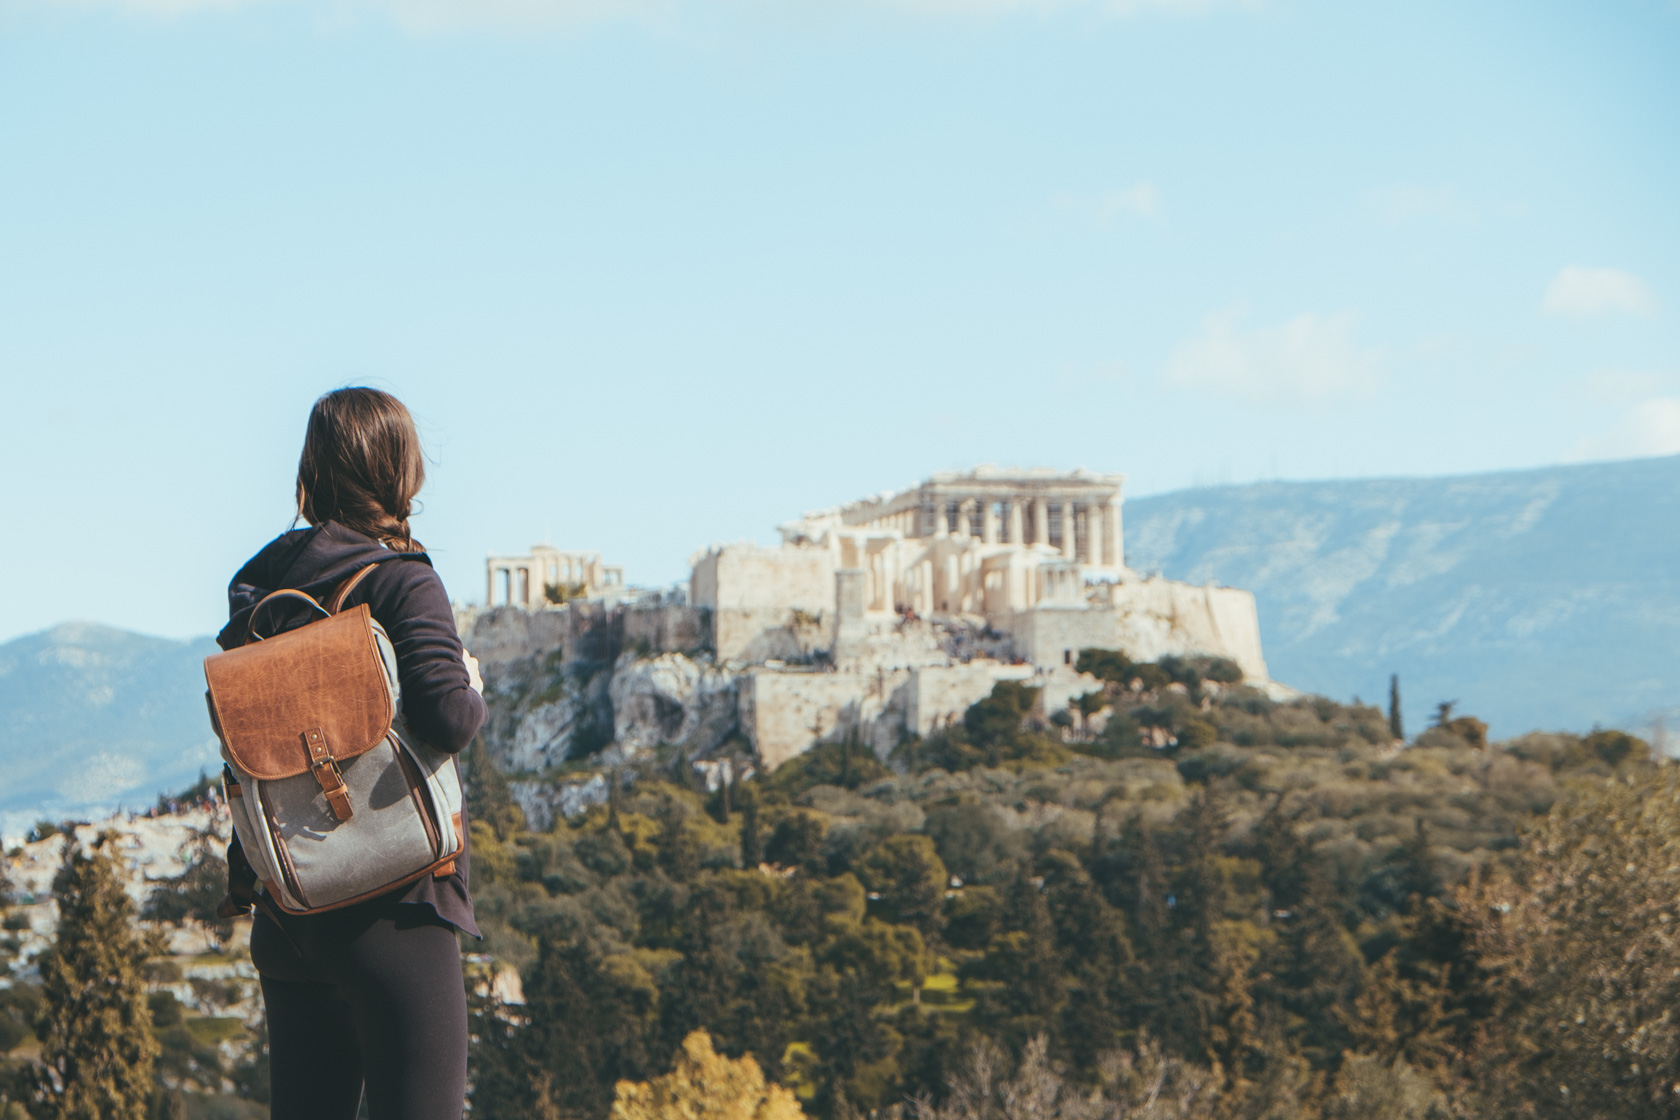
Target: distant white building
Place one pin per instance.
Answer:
(1034, 554)
(548, 576)
(884, 618)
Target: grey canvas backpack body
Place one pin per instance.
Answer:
(333, 798)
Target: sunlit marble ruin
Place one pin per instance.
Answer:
(548, 576)
(883, 618)
(1035, 554)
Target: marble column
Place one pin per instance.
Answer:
(989, 522)
(1069, 537)
(1114, 554)
(1040, 521)
(965, 517)
(1015, 519)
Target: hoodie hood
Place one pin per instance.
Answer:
(313, 561)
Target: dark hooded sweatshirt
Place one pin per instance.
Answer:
(406, 597)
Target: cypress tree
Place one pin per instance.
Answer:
(679, 852)
(94, 1024)
(615, 797)
(1395, 726)
(487, 794)
(752, 846)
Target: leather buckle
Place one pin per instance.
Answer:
(327, 774)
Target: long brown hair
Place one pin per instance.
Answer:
(361, 466)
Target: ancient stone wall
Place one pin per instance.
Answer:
(1147, 619)
(782, 714)
(759, 596)
(940, 693)
(667, 629)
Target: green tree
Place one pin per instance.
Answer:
(591, 1019)
(487, 795)
(797, 841)
(905, 871)
(196, 892)
(1096, 957)
(1025, 990)
(1196, 734)
(752, 845)
(706, 1085)
(1396, 727)
(994, 721)
(1215, 1015)
(1312, 971)
(1105, 665)
(1584, 959)
(94, 1024)
(679, 851)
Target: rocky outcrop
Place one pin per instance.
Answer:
(544, 802)
(672, 699)
(545, 710)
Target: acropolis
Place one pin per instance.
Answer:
(884, 617)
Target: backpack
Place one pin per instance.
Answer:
(333, 798)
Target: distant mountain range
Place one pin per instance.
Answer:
(1536, 599)
(94, 718)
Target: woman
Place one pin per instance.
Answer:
(371, 993)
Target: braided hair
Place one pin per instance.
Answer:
(361, 466)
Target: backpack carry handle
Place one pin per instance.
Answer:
(334, 605)
(251, 626)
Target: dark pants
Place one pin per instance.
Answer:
(375, 996)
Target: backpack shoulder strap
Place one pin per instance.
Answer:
(336, 603)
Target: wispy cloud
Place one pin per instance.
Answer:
(1141, 200)
(1311, 357)
(1621, 386)
(1583, 293)
(1404, 202)
(1651, 427)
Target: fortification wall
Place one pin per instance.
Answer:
(783, 714)
(940, 693)
(753, 594)
(1148, 620)
(667, 629)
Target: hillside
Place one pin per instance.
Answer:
(1544, 598)
(94, 717)
(1537, 599)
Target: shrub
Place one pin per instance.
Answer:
(1105, 665)
(1181, 670)
(1616, 747)
(1151, 677)
(1224, 671)
(1196, 734)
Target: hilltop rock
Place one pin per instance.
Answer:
(672, 699)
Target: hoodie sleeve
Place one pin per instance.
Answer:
(438, 699)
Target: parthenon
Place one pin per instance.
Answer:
(986, 542)
(1036, 555)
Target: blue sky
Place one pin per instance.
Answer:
(657, 274)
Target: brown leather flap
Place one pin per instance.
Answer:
(327, 675)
